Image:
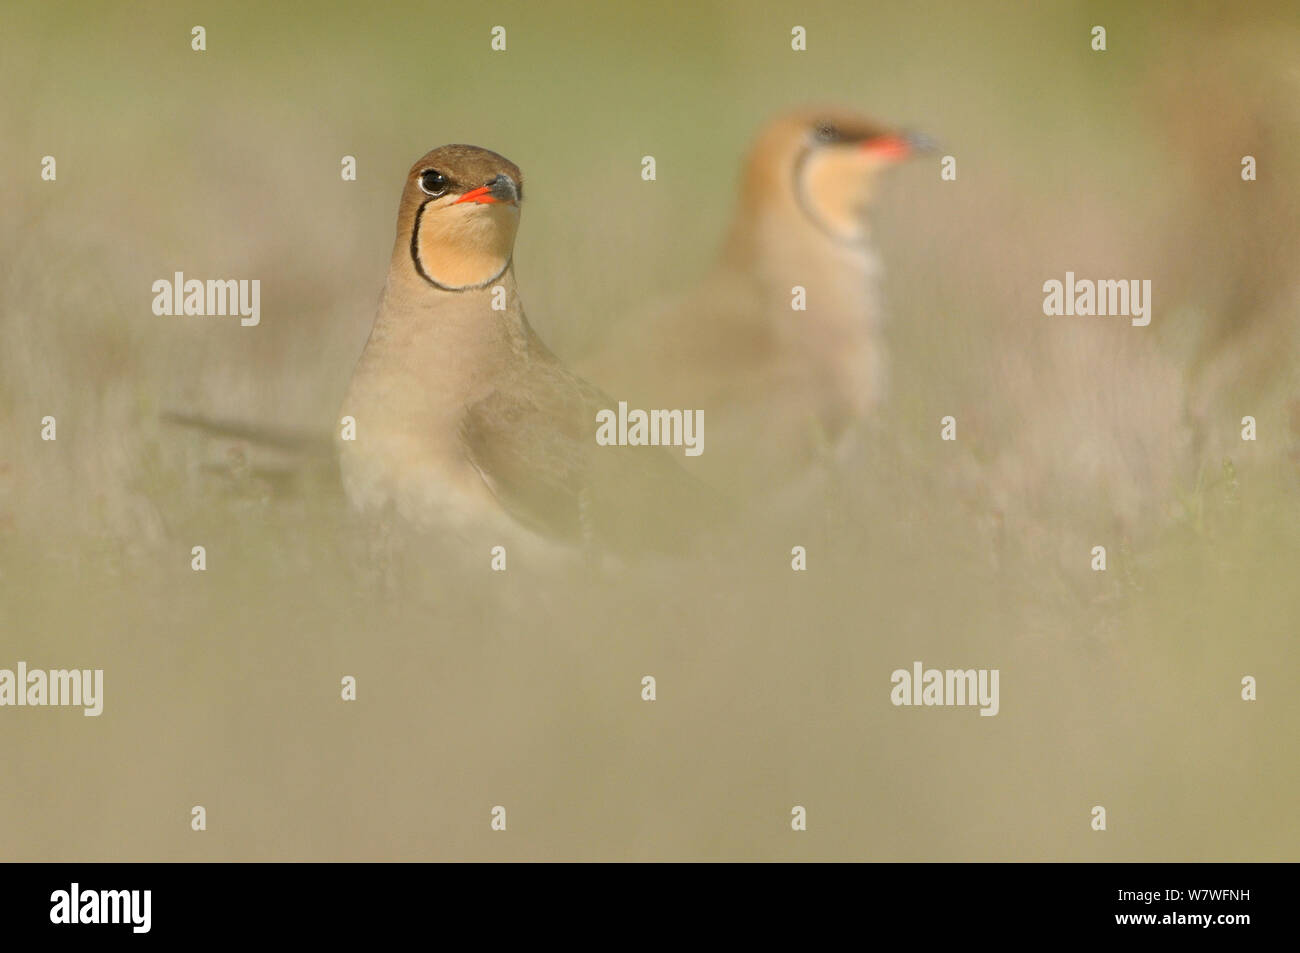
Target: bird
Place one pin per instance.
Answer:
(783, 387)
(464, 420)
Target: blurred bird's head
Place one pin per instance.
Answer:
(822, 164)
(458, 217)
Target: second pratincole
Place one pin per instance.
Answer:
(782, 341)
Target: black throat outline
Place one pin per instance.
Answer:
(415, 258)
(801, 199)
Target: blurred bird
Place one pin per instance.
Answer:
(781, 387)
(464, 418)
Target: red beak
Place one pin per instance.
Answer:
(888, 147)
(482, 195)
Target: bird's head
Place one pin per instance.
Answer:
(825, 163)
(460, 213)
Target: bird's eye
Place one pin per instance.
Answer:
(433, 182)
(825, 132)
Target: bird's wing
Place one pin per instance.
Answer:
(534, 442)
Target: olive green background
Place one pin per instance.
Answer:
(523, 689)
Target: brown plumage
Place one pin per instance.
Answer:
(780, 387)
(465, 419)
